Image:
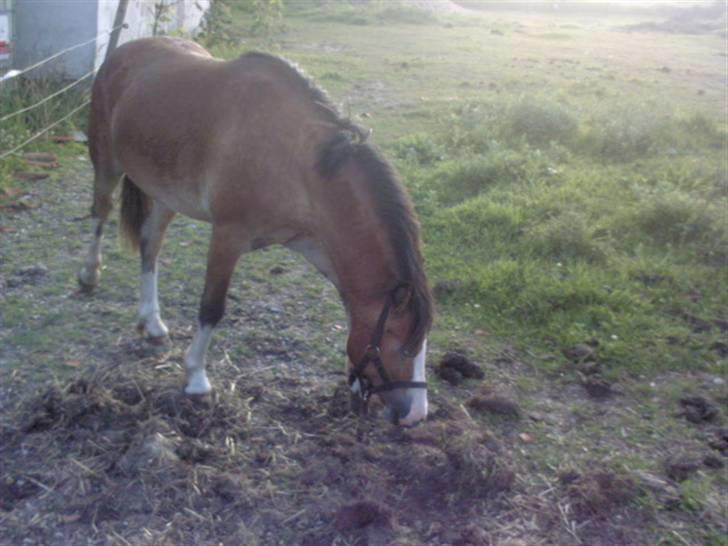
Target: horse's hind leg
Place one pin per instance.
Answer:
(226, 246)
(150, 242)
(104, 184)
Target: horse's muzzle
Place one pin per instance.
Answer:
(406, 407)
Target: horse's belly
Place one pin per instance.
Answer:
(180, 196)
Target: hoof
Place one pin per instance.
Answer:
(88, 281)
(87, 289)
(157, 341)
(197, 384)
(158, 335)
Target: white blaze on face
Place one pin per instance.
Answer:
(418, 409)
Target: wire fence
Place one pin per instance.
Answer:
(44, 130)
(25, 109)
(16, 73)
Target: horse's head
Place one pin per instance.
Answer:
(383, 362)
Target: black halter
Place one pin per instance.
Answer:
(359, 384)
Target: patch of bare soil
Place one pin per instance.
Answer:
(122, 452)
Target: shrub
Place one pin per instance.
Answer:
(482, 226)
(674, 218)
(631, 132)
(540, 121)
(400, 14)
(383, 12)
(455, 181)
(699, 131)
(418, 148)
(566, 237)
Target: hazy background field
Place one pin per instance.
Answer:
(568, 164)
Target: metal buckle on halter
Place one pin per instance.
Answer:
(360, 387)
(357, 380)
(372, 352)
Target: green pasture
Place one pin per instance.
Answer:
(570, 177)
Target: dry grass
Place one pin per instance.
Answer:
(120, 455)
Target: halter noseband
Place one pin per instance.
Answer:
(359, 384)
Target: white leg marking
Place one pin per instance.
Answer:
(197, 382)
(418, 409)
(89, 273)
(149, 306)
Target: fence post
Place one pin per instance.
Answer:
(118, 21)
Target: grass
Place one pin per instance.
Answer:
(586, 210)
(23, 93)
(559, 241)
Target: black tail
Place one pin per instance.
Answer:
(135, 205)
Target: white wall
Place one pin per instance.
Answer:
(45, 27)
(185, 16)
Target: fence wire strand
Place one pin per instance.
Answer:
(62, 52)
(44, 131)
(85, 103)
(46, 99)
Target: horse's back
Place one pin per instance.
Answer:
(201, 133)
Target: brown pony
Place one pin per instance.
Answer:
(252, 147)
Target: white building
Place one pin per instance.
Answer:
(41, 28)
(5, 33)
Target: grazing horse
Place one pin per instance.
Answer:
(254, 148)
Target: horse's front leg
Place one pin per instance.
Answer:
(150, 242)
(226, 246)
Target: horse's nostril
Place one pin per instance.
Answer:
(400, 408)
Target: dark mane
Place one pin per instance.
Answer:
(396, 211)
(318, 96)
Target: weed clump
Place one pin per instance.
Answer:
(482, 222)
(596, 495)
(418, 148)
(540, 121)
(675, 219)
(456, 181)
(626, 134)
(478, 467)
(567, 237)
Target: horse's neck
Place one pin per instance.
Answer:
(350, 246)
(359, 246)
(358, 266)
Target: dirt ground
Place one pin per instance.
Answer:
(98, 445)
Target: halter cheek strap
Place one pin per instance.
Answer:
(358, 382)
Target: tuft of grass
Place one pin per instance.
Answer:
(457, 180)
(540, 121)
(675, 218)
(375, 13)
(567, 237)
(15, 96)
(418, 148)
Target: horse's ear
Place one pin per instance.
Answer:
(401, 297)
